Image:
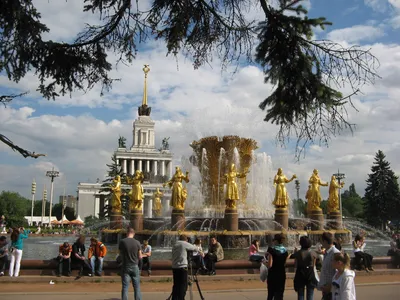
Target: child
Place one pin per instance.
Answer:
(146, 250)
(343, 287)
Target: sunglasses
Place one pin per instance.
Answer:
(336, 285)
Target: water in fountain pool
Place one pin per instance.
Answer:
(47, 248)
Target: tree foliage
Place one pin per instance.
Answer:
(382, 195)
(307, 74)
(14, 207)
(69, 212)
(353, 204)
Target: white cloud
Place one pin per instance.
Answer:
(188, 105)
(356, 34)
(377, 5)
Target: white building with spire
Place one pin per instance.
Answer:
(156, 164)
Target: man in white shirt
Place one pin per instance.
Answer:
(179, 267)
(327, 271)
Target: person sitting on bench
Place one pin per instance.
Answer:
(64, 258)
(361, 257)
(97, 251)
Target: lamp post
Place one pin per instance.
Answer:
(52, 174)
(44, 200)
(297, 184)
(339, 176)
(33, 191)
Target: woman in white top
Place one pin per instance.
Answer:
(362, 258)
(343, 287)
(198, 256)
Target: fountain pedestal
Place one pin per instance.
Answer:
(335, 220)
(116, 221)
(282, 218)
(317, 219)
(231, 219)
(177, 219)
(137, 219)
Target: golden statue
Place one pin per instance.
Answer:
(333, 200)
(137, 193)
(315, 195)
(179, 193)
(308, 198)
(116, 195)
(157, 206)
(232, 193)
(281, 196)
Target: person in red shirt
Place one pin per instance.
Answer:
(64, 258)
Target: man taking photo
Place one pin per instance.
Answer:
(179, 267)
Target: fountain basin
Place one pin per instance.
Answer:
(240, 239)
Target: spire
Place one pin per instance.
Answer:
(146, 70)
(145, 110)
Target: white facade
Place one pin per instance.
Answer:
(143, 156)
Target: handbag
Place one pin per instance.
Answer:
(263, 272)
(12, 249)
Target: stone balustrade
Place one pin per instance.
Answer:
(163, 267)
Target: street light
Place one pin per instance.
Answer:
(44, 200)
(33, 191)
(339, 176)
(52, 174)
(297, 183)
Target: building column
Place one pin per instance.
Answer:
(148, 166)
(118, 162)
(124, 166)
(163, 167)
(140, 165)
(155, 166)
(96, 206)
(132, 168)
(169, 168)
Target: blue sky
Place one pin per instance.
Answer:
(80, 132)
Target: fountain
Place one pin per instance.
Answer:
(229, 193)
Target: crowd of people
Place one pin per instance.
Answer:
(335, 280)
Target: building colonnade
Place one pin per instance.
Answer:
(156, 166)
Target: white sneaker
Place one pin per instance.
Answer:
(1, 273)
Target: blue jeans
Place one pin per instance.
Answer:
(310, 293)
(128, 275)
(93, 264)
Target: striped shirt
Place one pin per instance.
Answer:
(327, 271)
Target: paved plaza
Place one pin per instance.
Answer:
(379, 291)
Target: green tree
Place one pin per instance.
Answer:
(305, 72)
(14, 207)
(353, 204)
(69, 212)
(37, 208)
(92, 221)
(382, 195)
(299, 207)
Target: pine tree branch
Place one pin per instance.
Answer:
(23, 152)
(5, 99)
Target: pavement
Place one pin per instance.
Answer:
(385, 291)
(371, 286)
